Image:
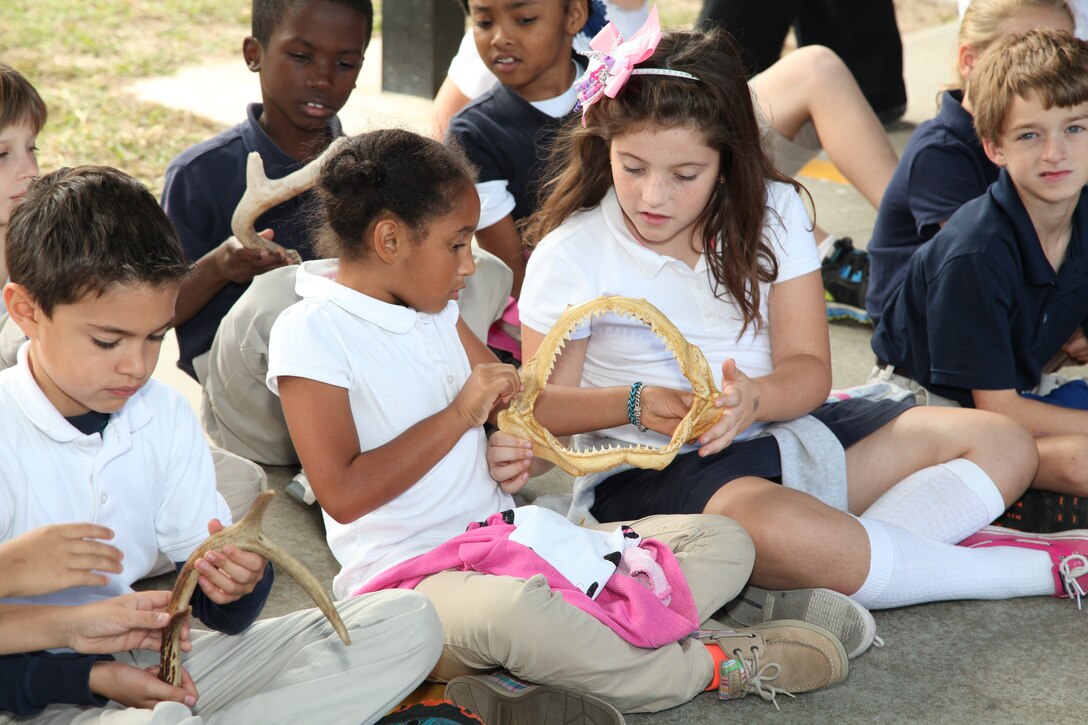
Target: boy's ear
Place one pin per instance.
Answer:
(252, 51)
(387, 239)
(994, 152)
(577, 14)
(22, 308)
(966, 57)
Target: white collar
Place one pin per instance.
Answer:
(647, 260)
(317, 280)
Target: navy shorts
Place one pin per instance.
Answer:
(686, 484)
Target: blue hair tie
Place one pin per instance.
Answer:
(597, 19)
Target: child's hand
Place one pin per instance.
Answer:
(229, 573)
(133, 687)
(740, 402)
(664, 408)
(132, 621)
(487, 386)
(1077, 347)
(52, 558)
(236, 263)
(508, 460)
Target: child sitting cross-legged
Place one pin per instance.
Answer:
(667, 195)
(386, 392)
(990, 301)
(95, 268)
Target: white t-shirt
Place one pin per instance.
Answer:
(148, 476)
(593, 254)
(399, 366)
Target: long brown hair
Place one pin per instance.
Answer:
(719, 106)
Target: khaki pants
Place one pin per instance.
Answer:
(525, 627)
(293, 669)
(238, 411)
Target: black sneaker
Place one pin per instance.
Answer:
(1044, 512)
(845, 274)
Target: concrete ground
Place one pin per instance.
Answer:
(1014, 661)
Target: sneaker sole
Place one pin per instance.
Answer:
(1045, 512)
(538, 705)
(839, 311)
(850, 622)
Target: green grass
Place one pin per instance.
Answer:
(82, 55)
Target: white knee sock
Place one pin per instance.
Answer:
(907, 569)
(947, 502)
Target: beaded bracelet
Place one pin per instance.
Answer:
(634, 406)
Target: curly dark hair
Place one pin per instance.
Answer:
(267, 14)
(391, 171)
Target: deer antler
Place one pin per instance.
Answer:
(246, 534)
(263, 193)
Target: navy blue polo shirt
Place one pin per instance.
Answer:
(980, 307)
(507, 138)
(943, 166)
(203, 186)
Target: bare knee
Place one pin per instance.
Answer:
(1006, 451)
(817, 65)
(1063, 464)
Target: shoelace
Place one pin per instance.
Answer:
(760, 676)
(1069, 575)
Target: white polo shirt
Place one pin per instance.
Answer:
(148, 476)
(593, 254)
(399, 366)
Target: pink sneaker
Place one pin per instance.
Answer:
(1068, 550)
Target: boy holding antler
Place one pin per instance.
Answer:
(87, 436)
(308, 54)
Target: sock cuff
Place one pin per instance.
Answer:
(979, 483)
(881, 559)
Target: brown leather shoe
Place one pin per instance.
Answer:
(782, 656)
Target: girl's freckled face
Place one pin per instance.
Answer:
(664, 178)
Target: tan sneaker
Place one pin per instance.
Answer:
(784, 656)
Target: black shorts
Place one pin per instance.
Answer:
(686, 484)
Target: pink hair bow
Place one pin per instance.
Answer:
(612, 59)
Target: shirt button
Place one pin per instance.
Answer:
(104, 497)
(449, 379)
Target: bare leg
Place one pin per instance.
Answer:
(813, 83)
(1063, 464)
(926, 436)
(795, 536)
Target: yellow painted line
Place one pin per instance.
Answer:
(822, 169)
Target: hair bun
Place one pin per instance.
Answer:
(349, 174)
